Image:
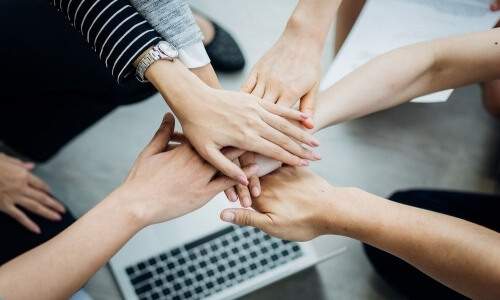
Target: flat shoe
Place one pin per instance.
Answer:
(224, 52)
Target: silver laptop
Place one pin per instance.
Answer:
(198, 256)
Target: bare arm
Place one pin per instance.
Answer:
(405, 73)
(153, 192)
(291, 69)
(460, 254)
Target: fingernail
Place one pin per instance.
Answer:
(256, 191)
(242, 180)
(317, 156)
(29, 165)
(228, 217)
(314, 142)
(311, 121)
(232, 196)
(37, 230)
(304, 162)
(304, 116)
(57, 217)
(246, 202)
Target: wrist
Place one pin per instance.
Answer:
(183, 91)
(345, 213)
(121, 203)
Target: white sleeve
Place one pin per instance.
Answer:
(194, 56)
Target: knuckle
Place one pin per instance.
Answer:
(246, 218)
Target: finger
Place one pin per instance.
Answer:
(215, 157)
(162, 136)
(231, 194)
(13, 160)
(242, 191)
(178, 137)
(254, 183)
(276, 152)
(243, 195)
(270, 95)
(232, 153)
(283, 126)
(259, 89)
(249, 84)
(307, 105)
(495, 6)
(223, 182)
(37, 208)
(45, 199)
(37, 183)
(285, 112)
(23, 219)
(246, 217)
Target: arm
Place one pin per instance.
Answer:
(291, 69)
(153, 192)
(409, 72)
(212, 119)
(439, 245)
(121, 37)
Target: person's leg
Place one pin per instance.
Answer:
(53, 84)
(347, 14)
(477, 208)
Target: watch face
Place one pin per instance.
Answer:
(168, 49)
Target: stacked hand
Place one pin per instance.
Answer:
(20, 188)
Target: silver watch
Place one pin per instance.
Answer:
(162, 50)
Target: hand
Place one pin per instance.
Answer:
(168, 181)
(19, 187)
(290, 206)
(495, 5)
(243, 121)
(286, 73)
(266, 166)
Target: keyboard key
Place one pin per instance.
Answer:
(142, 277)
(143, 289)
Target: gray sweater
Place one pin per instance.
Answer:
(172, 19)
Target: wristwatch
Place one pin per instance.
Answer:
(162, 50)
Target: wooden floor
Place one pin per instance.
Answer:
(452, 145)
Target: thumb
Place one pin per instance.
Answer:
(245, 217)
(162, 136)
(307, 105)
(249, 84)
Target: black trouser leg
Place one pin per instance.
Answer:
(477, 208)
(54, 86)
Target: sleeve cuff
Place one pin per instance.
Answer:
(194, 56)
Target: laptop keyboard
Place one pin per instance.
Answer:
(210, 264)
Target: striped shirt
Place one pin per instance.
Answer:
(114, 29)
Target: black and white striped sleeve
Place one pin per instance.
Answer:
(114, 30)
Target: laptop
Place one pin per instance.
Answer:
(198, 256)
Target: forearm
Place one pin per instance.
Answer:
(310, 23)
(405, 73)
(460, 254)
(71, 257)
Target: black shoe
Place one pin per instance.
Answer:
(224, 52)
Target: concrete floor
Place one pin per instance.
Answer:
(447, 145)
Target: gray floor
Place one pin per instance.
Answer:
(447, 145)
